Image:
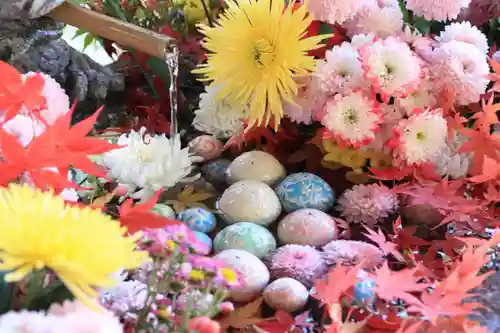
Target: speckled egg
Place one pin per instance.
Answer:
(249, 201)
(205, 239)
(256, 165)
(215, 173)
(307, 227)
(198, 219)
(254, 273)
(165, 210)
(206, 146)
(305, 190)
(286, 294)
(246, 236)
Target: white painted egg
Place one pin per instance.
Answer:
(286, 294)
(249, 201)
(254, 273)
(206, 146)
(307, 227)
(256, 165)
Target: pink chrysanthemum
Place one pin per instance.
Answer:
(24, 127)
(367, 204)
(421, 45)
(382, 18)
(461, 68)
(464, 32)
(353, 119)
(421, 98)
(352, 253)
(127, 296)
(390, 66)
(420, 138)
(308, 102)
(334, 11)
(439, 10)
(480, 12)
(342, 71)
(177, 237)
(300, 262)
(56, 100)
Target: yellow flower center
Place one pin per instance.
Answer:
(421, 136)
(350, 116)
(263, 53)
(170, 245)
(229, 275)
(196, 275)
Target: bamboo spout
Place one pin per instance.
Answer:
(124, 34)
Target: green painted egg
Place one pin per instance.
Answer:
(245, 236)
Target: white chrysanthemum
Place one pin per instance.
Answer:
(149, 162)
(24, 127)
(342, 70)
(449, 162)
(421, 137)
(217, 116)
(464, 32)
(422, 98)
(352, 118)
(56, 100)
(462, 68)
(391, 66)
(26, 322)
(383, 20)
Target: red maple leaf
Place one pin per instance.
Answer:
(60, 146)
(488, 115)
(404, 237)
(140, 216)
(254, 134)
(481, 144)
(390, 173)
(490, 171)
(386, 246)
(16, 91)
(406, 280)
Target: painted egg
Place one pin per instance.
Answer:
(215, 173)
(256, 165)
(305, 190)
(364, 289)
(254, 273)
(245, 236)
(205, 240)
(165, 210)
(206, 146)
(249, 201)
(198, 219)
(286, 294)
(307, 227)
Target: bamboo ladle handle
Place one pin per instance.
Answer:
(124, 34)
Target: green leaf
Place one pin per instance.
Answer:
(78, 33)
(159, 67)
(422, 25)
(6, 293)
(54, 293)
(404, 10)
(89, 39)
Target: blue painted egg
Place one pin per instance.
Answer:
(198, 219)
(214, 172)
(305, 190)
(364, 292)
(205, 239)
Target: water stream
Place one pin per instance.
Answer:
(172, 60)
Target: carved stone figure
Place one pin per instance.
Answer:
(31, 42)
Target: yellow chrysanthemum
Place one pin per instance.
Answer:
(81, 245)
(256, 51)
